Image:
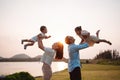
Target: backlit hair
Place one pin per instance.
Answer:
(59, 51)
(67, 40)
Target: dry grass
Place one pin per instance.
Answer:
(92, 72)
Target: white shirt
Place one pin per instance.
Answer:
(42, 34)
(35, 38)
(84, 33)
(48, 56)
(91, 40)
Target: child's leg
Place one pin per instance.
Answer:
(26, 40)
(29, 44)
(103, 40)
(97, 33)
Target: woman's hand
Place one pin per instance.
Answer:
(40, 43)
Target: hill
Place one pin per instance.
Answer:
(1, 57)
(20, 56)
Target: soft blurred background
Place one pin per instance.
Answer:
(21, 19)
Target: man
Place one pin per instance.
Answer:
(74, 66)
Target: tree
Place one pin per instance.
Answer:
(115, 54)
(108, 54)
(19, 76)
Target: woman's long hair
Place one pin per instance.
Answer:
(59, 51)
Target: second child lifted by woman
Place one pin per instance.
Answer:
(34, 39)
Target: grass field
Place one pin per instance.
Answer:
(91, 72)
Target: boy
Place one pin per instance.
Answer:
(34, 39)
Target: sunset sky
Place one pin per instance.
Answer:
(21, 19)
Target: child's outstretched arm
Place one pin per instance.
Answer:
(46, 37)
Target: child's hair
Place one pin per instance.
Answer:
(78, 28)
(42, 28)
(59, 51)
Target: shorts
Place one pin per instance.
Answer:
(34, 39)
(92, 40)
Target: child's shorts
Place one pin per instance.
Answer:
(34, 39)
(92, 40)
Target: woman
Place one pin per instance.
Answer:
(48, 56)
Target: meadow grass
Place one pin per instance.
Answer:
(91, 72)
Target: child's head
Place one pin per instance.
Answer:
(43, 29)
(78, 30)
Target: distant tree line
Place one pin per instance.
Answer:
(19, 60)
(108, 54)
(107, 57)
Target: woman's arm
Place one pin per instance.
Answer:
(63, 59)
(40, 43)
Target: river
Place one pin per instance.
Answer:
(34, 68)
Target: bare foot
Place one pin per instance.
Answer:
(21, 41)
(25, 47)
(97, 32)
(109, 43)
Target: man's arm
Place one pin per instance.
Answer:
(82, 46)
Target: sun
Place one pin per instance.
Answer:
(58, 39)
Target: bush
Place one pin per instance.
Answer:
(107, 61)
(19, 76)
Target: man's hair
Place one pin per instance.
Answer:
(67, 40)
(42, 28)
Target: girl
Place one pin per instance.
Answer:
(57, 50)
(90, 39)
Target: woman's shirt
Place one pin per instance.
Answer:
(48, 55)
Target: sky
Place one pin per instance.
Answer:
(21, 19)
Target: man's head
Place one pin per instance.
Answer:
(69, 40)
